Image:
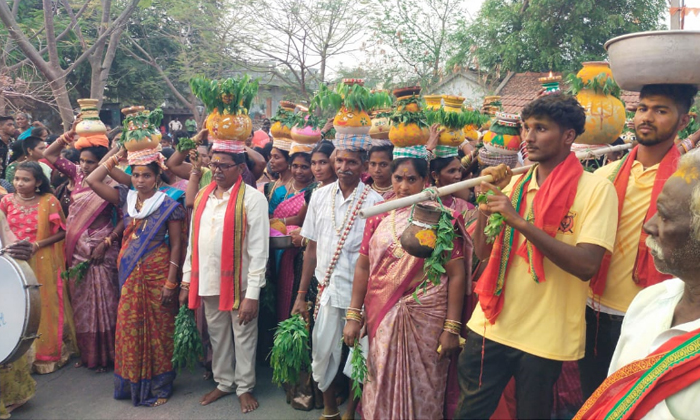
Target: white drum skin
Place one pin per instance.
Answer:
(20, 308)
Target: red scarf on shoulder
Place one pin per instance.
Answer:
(644, 272)
(551, 204)
(232, 247)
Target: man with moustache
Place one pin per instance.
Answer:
(638, 178)
(334, 232)
(655, 370)
(225, 269)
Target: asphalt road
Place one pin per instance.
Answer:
(80, 393)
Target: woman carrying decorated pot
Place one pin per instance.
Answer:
(148, 273)
(91, 238)
(413, 327)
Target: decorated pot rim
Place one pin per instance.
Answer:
(288, 105)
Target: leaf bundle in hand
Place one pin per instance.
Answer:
(188, 343)
(291, 351)
(185, 144)
(434, 266)
(496, 220)
(359, 370)
(77, 272)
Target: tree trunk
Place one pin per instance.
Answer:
(58, 88)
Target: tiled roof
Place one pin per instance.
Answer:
(519, 89)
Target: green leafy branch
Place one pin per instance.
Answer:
(359, 370)
(434, 266)
(285, 117)
(448, 119)
(290, 351)
(693, 125)
(404, 117)
(599, 84)
(308, 119)
(355, 97)
(474, 117)
(188, 343)
(185, 144)
(77, 272)
(232, 95)
(145, 125)
(496, 220)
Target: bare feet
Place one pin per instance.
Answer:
(213, 396)
(160, 402)
(349, 414)
(332, 416)
(78, 364)
(101, 369)
(207, 375)
(248, 402)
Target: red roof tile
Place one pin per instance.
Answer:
(521, 88)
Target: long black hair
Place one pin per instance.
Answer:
(437, 165)
(420, 165)
(35, 169)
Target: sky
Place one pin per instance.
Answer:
(692, 22)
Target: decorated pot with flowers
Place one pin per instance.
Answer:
(474, 120)
(351, 101)
(140, 128)
(503, 136)
(90, 123)
(381, 124)
(283, 121)
(451, 120)
(432, 102)
(599, 95)
(307, 129)
(409, 126)
(227, 102)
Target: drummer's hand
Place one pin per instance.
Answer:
(98, 254)
(501, 175)
(168, 296)
(184, 296)
(296, 237)
(21, 250)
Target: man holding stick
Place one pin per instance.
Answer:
(559, 222)
(638, 178)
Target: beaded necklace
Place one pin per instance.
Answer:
(347, 212)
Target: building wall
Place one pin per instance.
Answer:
(461, 86)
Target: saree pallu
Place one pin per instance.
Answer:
(144, 344)
(56, 342)
(96, 298)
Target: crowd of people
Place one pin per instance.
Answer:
(586, 301)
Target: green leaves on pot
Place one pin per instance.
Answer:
(496, 220)
(599, 84)
(474, 117)
(359, 371)
(693, 125)
(434, 266)
(141, 125)
(448, 119)
(188, 343)
(232, 95)
(291, 351)
(285, 117)
(308, 119)
(355, 97)
(77, 272)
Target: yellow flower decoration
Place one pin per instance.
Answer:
(426, 237)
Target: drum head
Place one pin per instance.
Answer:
(14, 308)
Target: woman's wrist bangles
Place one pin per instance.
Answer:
(354, 314)
(170, 286)
(176, 266)
(452, 327)
(184, 286)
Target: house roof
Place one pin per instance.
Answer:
(470, 75)
(519, 89)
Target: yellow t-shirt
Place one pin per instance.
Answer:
(620, 289)
(547, 319)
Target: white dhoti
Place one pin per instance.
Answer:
(327, 346)
(234, 347)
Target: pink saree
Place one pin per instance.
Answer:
(95, 299)
(405, 379)
(285, 279)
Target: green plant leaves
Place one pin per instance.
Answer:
(234, 96)
(599, 84)
(291, 351)
(188, 343)
(77, 272)
(185, 144)
(355, 97)
(434, 266)
(359, 370)
(496, 221)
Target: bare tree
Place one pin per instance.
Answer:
(100, 53)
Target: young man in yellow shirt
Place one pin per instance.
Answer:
(559, 222)
(638, 179)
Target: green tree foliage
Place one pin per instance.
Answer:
(542, 35)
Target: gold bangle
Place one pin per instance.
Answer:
(353, 317)
(453, 321)
(108, 241)
(359, 311)
(170, 286)
(184, 286)
(451, 331)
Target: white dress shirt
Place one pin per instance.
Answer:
(645, 328)
(255, 244)
(318, 227)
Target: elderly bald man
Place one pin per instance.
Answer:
(655, 370)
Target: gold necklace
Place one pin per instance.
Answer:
(380, 189)
(136, 233)
(398, 249)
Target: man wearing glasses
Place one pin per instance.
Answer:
(225, 269)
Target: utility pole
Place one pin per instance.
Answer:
(676, 17)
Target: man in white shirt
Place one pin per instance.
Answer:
(331, 216)
(225, 270)
(175, 125)
(655, 370)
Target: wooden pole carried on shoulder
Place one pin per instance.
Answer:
(470, 183)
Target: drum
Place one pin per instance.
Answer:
(20, 308)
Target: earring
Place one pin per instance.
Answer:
(37, 189)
